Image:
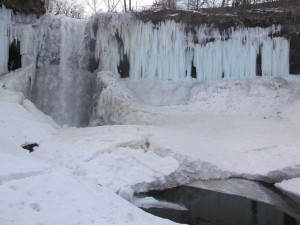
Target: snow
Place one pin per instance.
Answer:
(54, 183)
(20, 80)
(80, 171)
(58, 197)
(254, 113)
(291, 188)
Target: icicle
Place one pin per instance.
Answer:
(167, 51)
(13, 28)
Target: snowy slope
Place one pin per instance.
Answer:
(291, 188)
(78, 171)
(63, 181)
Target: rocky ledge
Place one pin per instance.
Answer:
(25, 6)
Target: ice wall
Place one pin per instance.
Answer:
(63, 86)
(15, 27)
(174, 51)
(67, 51)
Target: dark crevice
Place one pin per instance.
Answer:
(93, 62)
(124, 67)
(14, 59)
(258, 63)
(295, 53)
(193, 70)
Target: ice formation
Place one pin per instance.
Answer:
(13, 28)
(68, 52)
(63, 86)
(172, 51)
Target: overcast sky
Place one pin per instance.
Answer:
(135, 4)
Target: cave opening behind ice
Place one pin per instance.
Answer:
(14, 58)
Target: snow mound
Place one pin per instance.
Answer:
(291, 188)
(126, 102)
(258, 97)
(144, 170)
(118, 105)
(57, 196)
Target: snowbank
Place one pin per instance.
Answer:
(237, 119)
(182, 144)
(291, 188)
(117, 104)
(62, 178)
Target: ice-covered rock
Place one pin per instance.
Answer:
(126, 193)
(291, 188)
(150, 202)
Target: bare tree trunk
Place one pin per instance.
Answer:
(223, 3)
(129, 5)
(125, 8)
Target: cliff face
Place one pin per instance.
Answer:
(25, 6)
(286, 13)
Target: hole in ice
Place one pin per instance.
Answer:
(14, 59)
(124, 67)
(193, 71)
(258, 63)
(30, 146)
(35, 206)
(211, 207)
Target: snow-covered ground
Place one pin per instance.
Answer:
(72, 177)
(291, 188)
(234, 128)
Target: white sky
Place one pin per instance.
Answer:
(136, 4)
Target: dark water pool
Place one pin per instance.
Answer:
(210, 207)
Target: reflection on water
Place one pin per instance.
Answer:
(210, 207)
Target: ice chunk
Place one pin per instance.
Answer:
(150, 202)
(126, 193)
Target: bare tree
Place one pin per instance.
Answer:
(94, 5)
(165, 4)
(129, 6)
(197, 4)
(111, 4)
(225, 3)
(65, 7)
(125, 8)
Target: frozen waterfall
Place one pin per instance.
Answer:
(174, 51)
(67, 53)
(16, 31)
(63, 87)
